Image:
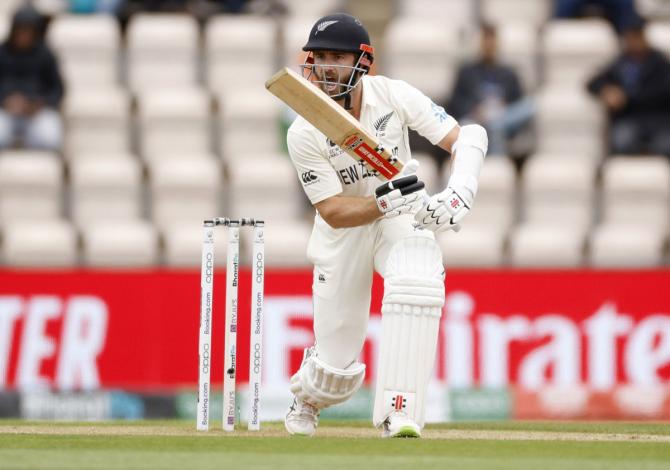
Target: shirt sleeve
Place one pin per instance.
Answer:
(420, 113)
(317, 176)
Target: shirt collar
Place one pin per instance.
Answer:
(369, 98)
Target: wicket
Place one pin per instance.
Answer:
(206, 316)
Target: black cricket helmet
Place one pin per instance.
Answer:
(341, 33)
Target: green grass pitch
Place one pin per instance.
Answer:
(340, 445)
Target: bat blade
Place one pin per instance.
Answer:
(333, 121)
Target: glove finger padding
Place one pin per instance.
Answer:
(412, 188)
(400, 196)
(396, 203)
(443, 212)
(403, 184)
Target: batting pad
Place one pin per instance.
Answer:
(323, 385)
(411, 310)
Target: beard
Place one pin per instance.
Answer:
(338, 80)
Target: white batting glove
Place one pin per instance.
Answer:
(445, 210)
(400, 196)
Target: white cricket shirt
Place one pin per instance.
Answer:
(388, 109)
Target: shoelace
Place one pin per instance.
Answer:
(304, 409)
(386, 423)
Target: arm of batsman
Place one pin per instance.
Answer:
(445, 210)
(403, 195)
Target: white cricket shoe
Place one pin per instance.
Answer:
(301, 419)
(399, 425)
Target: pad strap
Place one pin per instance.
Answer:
(412, 291)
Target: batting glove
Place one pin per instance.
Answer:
(445, 210)
(400, 196)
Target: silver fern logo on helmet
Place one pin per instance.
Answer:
(321, 27)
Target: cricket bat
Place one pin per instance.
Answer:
(333, 121)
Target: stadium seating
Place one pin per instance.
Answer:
(569, 122)
(31, 185)
(475, 245)
(7, 7)
(576, 49)
(285, 244)
(173, 122)
(617, 245)
(658, 35)
(544, 245)
(163, 51)
(264, 187)
(249, 124)
(105, 188)
(455, 12)
(559, 190)
(636, 191)
(309, 9)
(531, 12)
(240, 53)
(424, 53)
(50, 7)
(185, 190)
(482, 239)
(518, 48)
(49, 243)
(120, 244)
(653, 8)
(88, 49)
(183, 245)
(495, 205)
(295, 33)
(4, 27)
(97, 120)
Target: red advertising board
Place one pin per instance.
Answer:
(139, 329)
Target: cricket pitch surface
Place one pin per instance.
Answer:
(339, 445)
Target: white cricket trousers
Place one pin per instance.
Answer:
(344, 261)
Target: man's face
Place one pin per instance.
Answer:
(332, 67)
(489, 46)
(635, 43)
(24, 37)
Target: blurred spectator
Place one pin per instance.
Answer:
(200, 9)
(231, 6)
(618, 12)
(96, 6)
(635, 88)
(490, 94)
(160, 5)
(31, 87)
(193, 6)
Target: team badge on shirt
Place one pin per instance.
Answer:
(381, 123)
(439, 112)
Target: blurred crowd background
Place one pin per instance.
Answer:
(125, 123)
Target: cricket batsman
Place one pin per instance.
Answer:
(363, 225)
